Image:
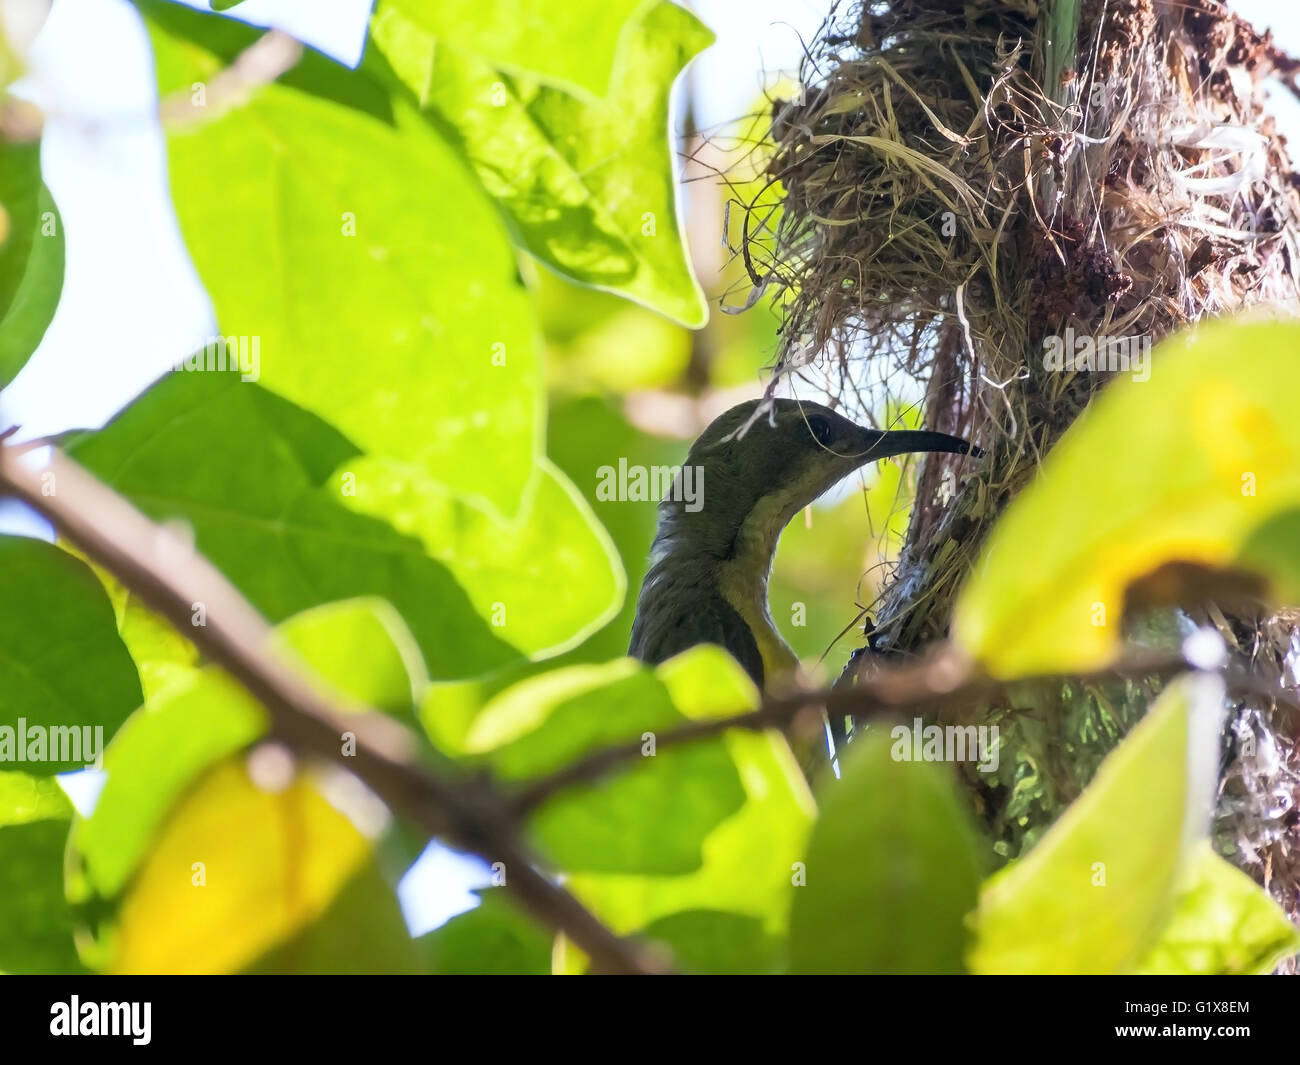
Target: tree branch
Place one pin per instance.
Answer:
(942, 680)
(172, 578)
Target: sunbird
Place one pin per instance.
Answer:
(711, 557)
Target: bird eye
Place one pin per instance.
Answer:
(822, 430)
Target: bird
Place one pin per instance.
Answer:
(754, 470)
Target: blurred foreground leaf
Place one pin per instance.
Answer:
(235, 870)
(892, 870)
(64, 671)
(494, 938)
(31, 256)
(36, 923)
(1185, 469)
(1095, 891)
(1223, 924)
(206, 717)
(542, 724)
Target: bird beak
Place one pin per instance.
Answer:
(878, 445)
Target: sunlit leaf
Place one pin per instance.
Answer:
(206, 717)
(743, 865)
(716, 942)
(162, 655)
(572, 44)
(748, 861)
(588, 185)
(24, 799)
(365, 306)
(508, 569)
(543, 724)
(1223, 924)
(362, 651)
(154, 759)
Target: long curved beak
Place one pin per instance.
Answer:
(880, 445)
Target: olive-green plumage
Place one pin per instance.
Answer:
(711, 557)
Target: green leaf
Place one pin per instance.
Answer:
(508, 570)
(716, 942)
(738, 862)
(361, 933)
(492, 939)
(587, 185)
(600, 344)
(162, 655)
(1094, 893)
(541, 725)
(1184, 468)
(477, 592)
(362, 650)
(378, 305)
(64, 672)
(892, 870)
(154, 759)
(748, 864)
(1273, 548)
(572, 44)
(1223, 924)
(31, 257)
(24, 799)
(36, 923)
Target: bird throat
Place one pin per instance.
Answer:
(742, 580)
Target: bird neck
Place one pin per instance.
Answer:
(743, 581)
(735, 561)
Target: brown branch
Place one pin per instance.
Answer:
(173, 579)
(943, 679)
(262, 62)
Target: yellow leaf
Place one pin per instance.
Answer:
(235, 870)
(1187, 467)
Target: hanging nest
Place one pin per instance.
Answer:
(964, 178)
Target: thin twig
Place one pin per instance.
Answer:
(172, 578)
(945, 678)
(262, 62)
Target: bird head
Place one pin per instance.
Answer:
(760, 468)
